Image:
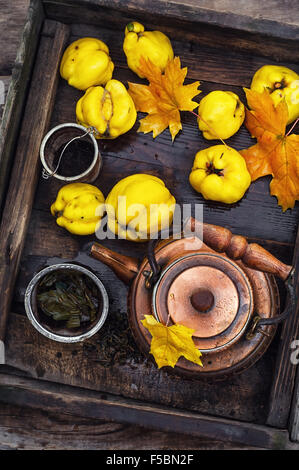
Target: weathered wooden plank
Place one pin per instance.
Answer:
(188, 24)
(12, 20)
(282, 12)
(21, 192)
(63, 399)
(285, 369)
(252, 21)
(110, 362)
(24, 428)
(16, 95)
(4, 84)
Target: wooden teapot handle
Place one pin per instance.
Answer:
(237, 248)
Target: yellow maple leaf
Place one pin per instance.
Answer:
(276, 153)
(164, 97)
(169, 343)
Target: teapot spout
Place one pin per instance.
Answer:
(125, 267)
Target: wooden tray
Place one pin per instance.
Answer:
(99, 378)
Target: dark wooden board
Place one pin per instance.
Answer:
(192, 21)
(46, 244)
(18, 86)
(244, 397)
(12, 21)
(285, 370)
(37, 394)
(19, 200)
(25, 428)
(5, 81)
(99, 364)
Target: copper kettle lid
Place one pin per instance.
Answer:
(206, 292)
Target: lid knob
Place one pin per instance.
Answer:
(202, 300)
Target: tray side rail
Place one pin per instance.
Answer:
(85, 403)
(26, 169)
(17, 92)
(280, 404)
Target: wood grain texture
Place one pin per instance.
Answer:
(21, 74)
(36, 394)
(253, 18)
(12, 20)
(20, 196)
(4, 84)
(180, 28)
(285, 370)
(274, 10)
(89, 365)
(24, 428)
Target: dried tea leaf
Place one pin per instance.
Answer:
(169, 343)
(69, 297)
(164, 97)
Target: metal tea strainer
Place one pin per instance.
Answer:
(62, 136)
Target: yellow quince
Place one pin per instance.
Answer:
(85, 63)
(139, 206)
(79, 208)
(221, 114)
(219, 173)
(153, 45)
(110, 110)
(281, 83)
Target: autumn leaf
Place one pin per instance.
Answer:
(171, 342)
(276, 153)
(164, 97)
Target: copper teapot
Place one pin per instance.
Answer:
(217, 284)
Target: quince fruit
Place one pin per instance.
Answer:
(110, 110)
(139, 206)
(85, 63)
(152, 45)
(78, 208)
(221, 114)
(219, 173)
(281, 83)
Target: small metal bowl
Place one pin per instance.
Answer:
(59, 333)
